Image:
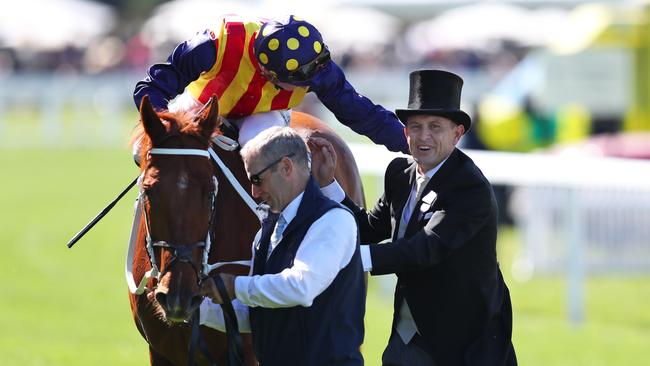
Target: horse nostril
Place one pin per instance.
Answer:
(161, 297)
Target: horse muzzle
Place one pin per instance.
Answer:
(178, 307)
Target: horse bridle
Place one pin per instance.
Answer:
(183, 254)
(179, 253)
(223, 143)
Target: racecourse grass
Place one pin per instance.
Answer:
(68, 307)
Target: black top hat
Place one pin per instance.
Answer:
(437, 93)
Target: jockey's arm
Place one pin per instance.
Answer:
(357, 111)
(166, 80)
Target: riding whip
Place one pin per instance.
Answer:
(101, 214)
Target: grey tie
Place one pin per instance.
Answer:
(277, 233)
(420, 182)
(405, 326)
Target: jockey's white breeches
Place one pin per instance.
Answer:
(249, 126)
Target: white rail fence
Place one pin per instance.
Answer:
(66, 110)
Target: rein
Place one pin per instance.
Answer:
(224, 143)
(183, 253)
(180, 253)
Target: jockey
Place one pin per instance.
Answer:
(259, 69)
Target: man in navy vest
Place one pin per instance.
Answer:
(452, 306)
(304, 300)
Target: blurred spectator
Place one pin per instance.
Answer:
(138, 54)
(106, 55)
(8, 61)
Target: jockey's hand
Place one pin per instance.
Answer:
(209, 288)
(323, 160)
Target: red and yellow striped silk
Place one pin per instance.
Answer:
(235, 77)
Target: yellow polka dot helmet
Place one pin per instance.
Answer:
(290, 49)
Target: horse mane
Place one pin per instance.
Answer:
(176, 123)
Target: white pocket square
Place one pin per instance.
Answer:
(427, 201)
(429, 198)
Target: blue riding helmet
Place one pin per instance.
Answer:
(291, 50)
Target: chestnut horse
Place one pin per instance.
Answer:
(188, 209)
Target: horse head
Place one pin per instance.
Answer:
(178, 200)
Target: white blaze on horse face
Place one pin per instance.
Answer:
(183, 181)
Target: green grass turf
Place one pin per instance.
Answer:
(65, 306)
(62, 306)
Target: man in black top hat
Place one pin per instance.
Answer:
(452, 306)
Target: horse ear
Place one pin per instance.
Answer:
(208, 116)
(150, 121)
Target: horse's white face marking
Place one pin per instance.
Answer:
(183, 180)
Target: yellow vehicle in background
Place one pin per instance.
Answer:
(594, 79)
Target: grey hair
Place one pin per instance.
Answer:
(276, 142)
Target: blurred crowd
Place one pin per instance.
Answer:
(106, 54)
(115, 49)
(111, 53)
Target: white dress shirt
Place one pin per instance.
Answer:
(327, 248)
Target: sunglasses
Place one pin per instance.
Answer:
(304, 73)
(307, 71)
(255, 178)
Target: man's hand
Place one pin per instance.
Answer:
(323, 160)
(209, 288)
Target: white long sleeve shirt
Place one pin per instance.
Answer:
(327, 248)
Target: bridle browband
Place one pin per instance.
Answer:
(167, 151)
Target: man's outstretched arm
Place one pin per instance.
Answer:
(357, 111)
